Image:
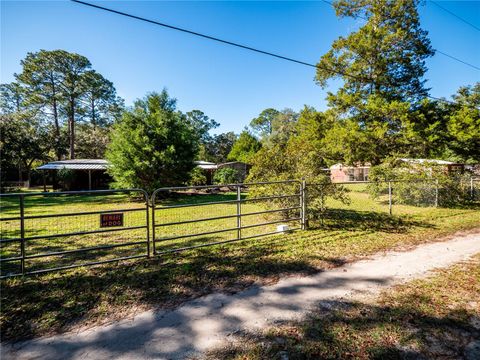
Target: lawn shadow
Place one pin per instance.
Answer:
(344, 219)
(173, 334)
(166, 281)
(340, 329)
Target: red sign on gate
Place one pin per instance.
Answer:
(111, 220)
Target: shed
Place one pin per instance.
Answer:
(93, 169)
(208, 167)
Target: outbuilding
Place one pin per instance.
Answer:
(87, 174)
(347, 173)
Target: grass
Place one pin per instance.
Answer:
(54, 302)
(433, 318)
(40, 205)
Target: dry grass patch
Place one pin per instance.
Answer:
(433, 318)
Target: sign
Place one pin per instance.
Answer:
(111, 220)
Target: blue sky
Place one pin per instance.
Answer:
(229, 84)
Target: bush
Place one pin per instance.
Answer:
(226, 176)
(197, 177)
(319, 191)
(66, 177)
(416, 184)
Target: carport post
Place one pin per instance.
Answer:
(471, 188)
(89, 179)
(390, 197)
(44, 181)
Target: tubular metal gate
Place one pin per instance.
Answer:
(41, 232)
(197, 216)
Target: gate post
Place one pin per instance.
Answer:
(147, 214)
(239, 212)
(390, 197)
(22, 232)
(436, 193)
(303, 199)
(154, 248)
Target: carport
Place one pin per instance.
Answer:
(87, 165)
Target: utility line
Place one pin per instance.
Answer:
(231, 43)
(436, 50)
(455, 15)
(219, 40)
(457, 59)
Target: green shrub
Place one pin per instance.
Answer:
(66, 177)
(226, 176)
(416, 184)
(197, 177)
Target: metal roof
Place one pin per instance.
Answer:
(76, 164)
(206, 165)
(431, 161)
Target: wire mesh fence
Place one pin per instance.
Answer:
(341, 205)
(50, 231)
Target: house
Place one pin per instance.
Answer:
(349, 173)
(87, 174)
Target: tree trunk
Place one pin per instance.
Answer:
(56, 123)
(57, 131)
(94, 121)
(29, 176)
(71, 128)
(20, 173)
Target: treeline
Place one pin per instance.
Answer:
(295, 145)
(381, 110)
(59, 107)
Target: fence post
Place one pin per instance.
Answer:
(390, 197)
(239, 212)
(323, 208)
(22, 233)
(472, 195)
(303, 199)
(436, 193)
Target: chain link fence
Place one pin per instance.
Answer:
(341, 205)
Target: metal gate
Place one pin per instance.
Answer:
(196, 216)
(43, 232)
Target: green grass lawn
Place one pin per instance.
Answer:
(433, 318)
(134, 216)
(52, 302)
